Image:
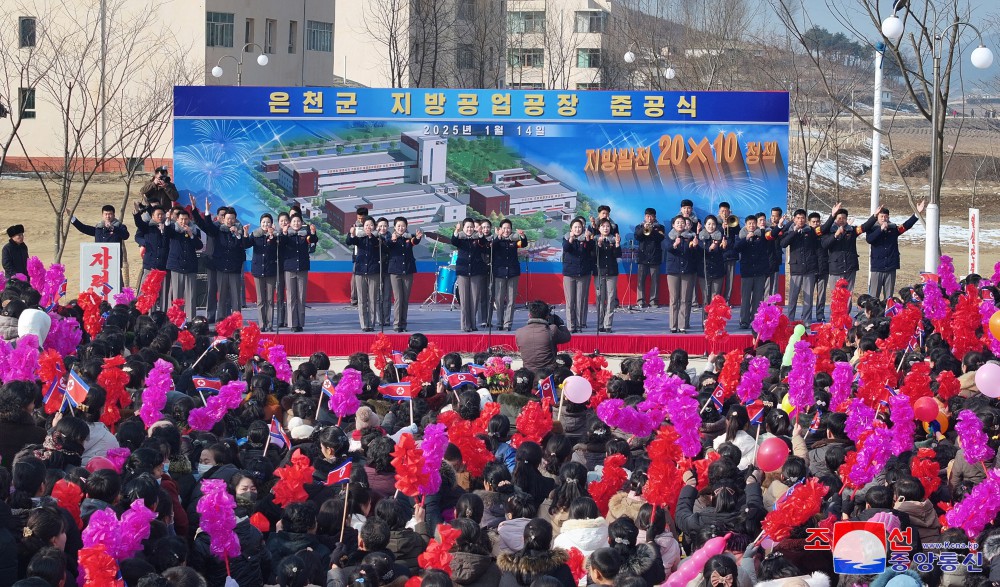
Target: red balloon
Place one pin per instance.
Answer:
(98, 463)
(926, 409)
(771, 454)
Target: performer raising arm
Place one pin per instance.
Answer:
(609, 250)
(366, 269)
(182, 260)
(470, 269)
(402, 266)
(264, 268)
(296, 244)
(578, 266)
(506, 270)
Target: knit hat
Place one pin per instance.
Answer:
(301, 432)
(365, 417)
(15, 230)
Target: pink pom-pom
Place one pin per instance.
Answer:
(765, 322)
(903, 424)
(126, 297)
(344, 399)
(36, 273)
(843, 380)
(946, 271)
(800, 377)
(277, 357)
(133, 529)
(860, 418)
(64, 335)
(872, 457)
(118, 456)
(752, 381)
(55, 277)
(218, 519)
(616, 414)
(22, 361)
(934, 305)
(978, 508)
(154, 398)
(972, 439)
(433, 445)
(230, 397)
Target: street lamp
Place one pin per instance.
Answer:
(630, 57)
(982, 57)
(217, 71)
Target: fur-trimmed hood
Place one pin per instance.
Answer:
(532, 563)
(816, 579)
(641, 558)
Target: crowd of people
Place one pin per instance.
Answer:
(412, 467)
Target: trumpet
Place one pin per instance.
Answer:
(647, 228)
(732, 221)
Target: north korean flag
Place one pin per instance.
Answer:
(76, 390)
(455, 380)
(719, 397)
(547, 388)
(206, 384)
(892, 308)
(278, 436)
(926, 277)
(397, 360)
(398, 391)
(755, 410)
(327, 387)
(477, 369)
(341, 474)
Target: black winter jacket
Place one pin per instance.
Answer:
(249, 569)
(650, 247)
(521, 568)
(182, 256)
(155, 240)
(228, 248)
(803, 246)
(683, 259)
(690, 522)
(505, 261)
(607, 253)
(15, 258)
(713, 261)
(282, 544)
(295, 249)
(885, 244)
(366, 260)
(470, 255)
(116, 233)
(264, 262)
(578, 257)
(754, 255)
(401, 261)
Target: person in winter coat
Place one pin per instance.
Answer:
(537, 340)
(754, 269)
(586, 530)
(841, 243)
(471, 564)
(608, 250)
(526, 475)
(100, 440)
(156, 244)
(506, 270)
(182, 260)
(883, 238)
(682, 257)
(577, 267)
(247, 569)
(497, 488)
(497, 440)
(297, 531)
(910, 500)
(649, 238)
(470, 270)
(228, 258)
(835, 423)
(712, 269)
(593, 452)
(108, 230)
(727, 506)
(538, 558)
(402, 266)
(8, 319)
(520, 509)
(264, 268)
(367, 264)
(296, 245)
(640, 559)
(803, 262)
(15, 252)
(737, 421)
(405, 544)
(214, 462)
(17, 428)
(570, 484)
(654, 529)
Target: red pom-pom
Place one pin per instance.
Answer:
(260, 521)
(593, 368)
(577, 564)
(917, 383)
(533, 423)
(902, 328)
(381, 349)
(926, 470)
(408, 460)
(729, 377)
(69, 496)
(149, 292)
(610, 483)
(97, 568)
(717, 315)
(948, 385)
(249, 337)
(294, 477)
(421, 371)
(175, 313)
(50, 369)
(840, 298)
(90, 302)
(437, 555)
(113, 379)
(229, 325)
(794, 509)
(186, 340)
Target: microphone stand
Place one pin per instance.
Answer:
(489, 299)
(600, 306)
(380, 313)
(280, 294)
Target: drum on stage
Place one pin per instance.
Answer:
(446, 279)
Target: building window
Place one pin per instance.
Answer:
(293, 35)
(591, 21)
(319, 36)
(248, 36)
(466, 57)
(588, 86)
(219, 29)
(466, 9)
(26, 99)
(527, 86)
(526, 57)
(526, 22)
(588, 58)
(270, 34)
(27, 28)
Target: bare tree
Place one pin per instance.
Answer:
(432, 28)
(480, 48)
(561, 42)
(89, 137)
(387, 21)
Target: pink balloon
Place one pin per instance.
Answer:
(577, 389)
(988, 379)
(926, 409)
(693, 565)
(771, 454)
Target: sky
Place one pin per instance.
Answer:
(818, 13)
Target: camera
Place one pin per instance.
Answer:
(165, 178)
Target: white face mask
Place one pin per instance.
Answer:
(203, 468)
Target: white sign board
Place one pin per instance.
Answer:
(101, 268)
(974, 240)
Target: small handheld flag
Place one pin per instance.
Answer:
(398, 391)
(341, 474)
(206, 384)
(328, 387)
(719, 397)
(455, 380)
(755, 410)
(76, 391)
(547, 388)
(397, 360)
(278, 435)
(892, 308)
(477, 369)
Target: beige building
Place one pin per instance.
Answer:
(49, 46)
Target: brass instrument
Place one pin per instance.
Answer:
(647, 229)
(732, 221)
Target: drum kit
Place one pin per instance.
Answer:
(444, 284)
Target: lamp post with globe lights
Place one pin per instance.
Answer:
(630, 58)
(262, 60)
(982, 58)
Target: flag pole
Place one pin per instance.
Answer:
(343, 518)
(411, 410)
(268, 442)
(319, 405)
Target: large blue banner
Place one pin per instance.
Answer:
(539, 158)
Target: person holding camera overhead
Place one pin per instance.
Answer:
(578, 266)
(608, 250)
(366, 270)
(682, 271)
(712, 269)
(470, 269)
(402, 266)
(159, 189)
(537, 340)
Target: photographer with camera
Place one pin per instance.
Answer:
(159, 189)
(537, 340)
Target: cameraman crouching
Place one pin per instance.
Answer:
(537, 339)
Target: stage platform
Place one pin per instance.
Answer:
(333, 329)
